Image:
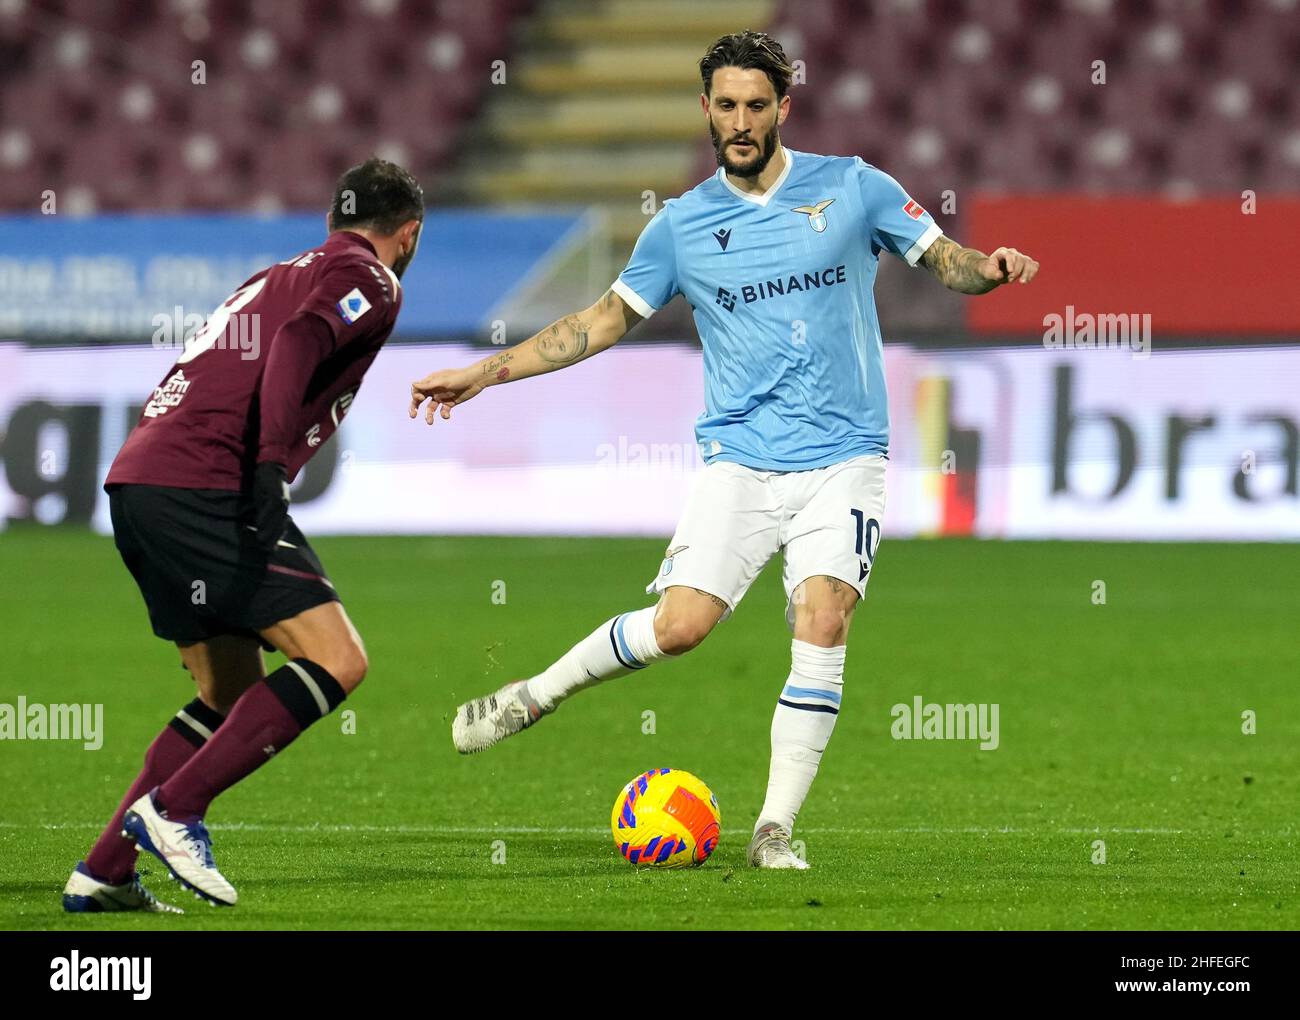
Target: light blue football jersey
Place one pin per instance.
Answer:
(781, 287)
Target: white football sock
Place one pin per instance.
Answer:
(615, 648)
(801, 728)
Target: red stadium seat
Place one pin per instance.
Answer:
(940, 91)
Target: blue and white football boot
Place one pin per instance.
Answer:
(186, 850)
(85, 894)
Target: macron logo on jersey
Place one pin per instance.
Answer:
(353, 306)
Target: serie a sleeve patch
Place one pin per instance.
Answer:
(353, 305)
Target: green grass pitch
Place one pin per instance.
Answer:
(1119, 722)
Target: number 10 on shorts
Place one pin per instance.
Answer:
(867, 538)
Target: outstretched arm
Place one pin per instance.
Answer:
(969, 271)
(565, 342)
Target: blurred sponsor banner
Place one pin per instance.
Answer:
(1031, 443)
(110, 276)
(1198, 268)
(997, 442)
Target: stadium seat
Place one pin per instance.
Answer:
(934, 89)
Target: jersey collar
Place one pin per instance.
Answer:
(350, 237)
(766, 196)
(345, 236)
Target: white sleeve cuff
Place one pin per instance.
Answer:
(634, 300)
(914, 253)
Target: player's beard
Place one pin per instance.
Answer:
(766, 148)
(399, 266)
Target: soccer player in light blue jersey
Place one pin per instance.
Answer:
(776, 254)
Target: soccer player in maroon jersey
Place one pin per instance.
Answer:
(199, 496)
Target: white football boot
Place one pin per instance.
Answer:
(85, 894)
(185, 849)
(489, 720)
(770, 848)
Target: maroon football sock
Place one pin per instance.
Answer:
(112, 858)
(265, 720)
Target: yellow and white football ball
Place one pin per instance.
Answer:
(666, 818)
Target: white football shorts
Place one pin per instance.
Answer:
(827, 520)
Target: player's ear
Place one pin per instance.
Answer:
(704, 103)
(783, 109)
(411, 235)
(329, 221)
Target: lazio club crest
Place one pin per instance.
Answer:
(816, 214)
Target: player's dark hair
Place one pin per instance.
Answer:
(376, 194)
(748, 51)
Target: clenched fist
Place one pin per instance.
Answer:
(1006, 265)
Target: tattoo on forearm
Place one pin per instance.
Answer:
(496, 366)
(957, 267)
(564, 342)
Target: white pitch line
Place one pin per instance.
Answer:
(587, 831)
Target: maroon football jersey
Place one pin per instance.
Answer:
(271, 374)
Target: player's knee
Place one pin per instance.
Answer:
(826, 626)
(348, 666)
(677, 633)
